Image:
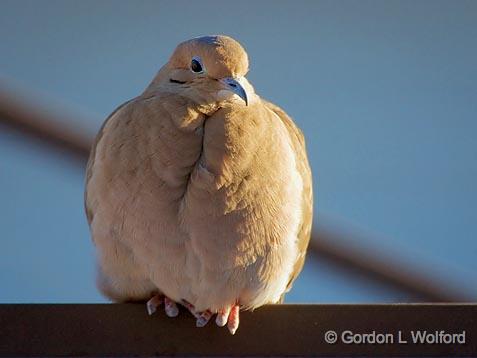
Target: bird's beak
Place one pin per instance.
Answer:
(234, 85)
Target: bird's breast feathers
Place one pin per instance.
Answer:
(209, 216)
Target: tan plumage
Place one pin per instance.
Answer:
(193, 194)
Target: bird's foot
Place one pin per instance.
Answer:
(226, 316)
(201, 317)
(170, 306)
(233, 319)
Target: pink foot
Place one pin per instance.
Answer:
(170, 306)
(233, 321)
(191, 308)
(222, 316)
(226, 316)
(202, 317)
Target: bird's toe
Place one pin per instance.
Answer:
(203, 318)
(226, 316)
(153, 303)
(191, 308)
(222, 316)
(170, 307)
(233, 319)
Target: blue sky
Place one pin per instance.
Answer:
(385, 92)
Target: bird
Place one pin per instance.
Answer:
(198, 191)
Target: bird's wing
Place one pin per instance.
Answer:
(89, 209)
(303, 167)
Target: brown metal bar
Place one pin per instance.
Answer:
(419, 287)
(125, 330)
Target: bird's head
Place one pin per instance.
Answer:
(208, 70)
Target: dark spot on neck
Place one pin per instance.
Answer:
(176, 81)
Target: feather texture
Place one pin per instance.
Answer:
(198, 197)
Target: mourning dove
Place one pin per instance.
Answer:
(198, 191)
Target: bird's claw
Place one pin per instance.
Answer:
(233, 319)
(203, 318)
(227, 316)
(170, 306)
(153, 303)
(222, 317)
(191, 308)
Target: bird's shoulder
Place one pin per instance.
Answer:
(159, 109)
(296, 135)
(92, 154)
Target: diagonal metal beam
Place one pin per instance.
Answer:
(417, 284)
(53, 132)
(40, 124)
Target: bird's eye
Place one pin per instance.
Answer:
(196, 66)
